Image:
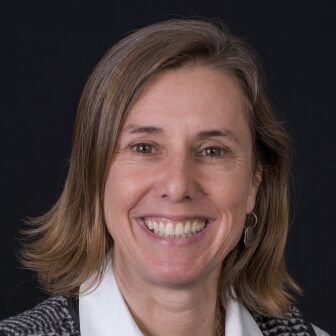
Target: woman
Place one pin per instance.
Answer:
(174, 214)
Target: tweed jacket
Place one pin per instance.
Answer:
(58, 316)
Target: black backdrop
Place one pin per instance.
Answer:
(49, 49)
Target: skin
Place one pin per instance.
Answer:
(173, 283)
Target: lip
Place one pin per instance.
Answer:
(176, 218)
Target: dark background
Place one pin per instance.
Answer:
(48, 50)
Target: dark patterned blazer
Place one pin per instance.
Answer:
(60, 316)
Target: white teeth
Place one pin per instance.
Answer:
(169, 230)
(150, 225)
(179, 230)
(194, 227)
(156, 227)
(161, 229)
(200, 226)
(175, 230)
(187, 228)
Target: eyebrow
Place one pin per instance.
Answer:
(135, 129)
(217, 133)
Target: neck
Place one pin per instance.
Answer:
(161, 310)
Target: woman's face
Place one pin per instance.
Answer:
(181, 183)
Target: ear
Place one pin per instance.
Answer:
(256, 179)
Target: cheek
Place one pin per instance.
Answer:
(232, 221)
(121, 184)
(230, 189)
(123, 190)
(232, 202)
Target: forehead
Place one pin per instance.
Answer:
(190, 98)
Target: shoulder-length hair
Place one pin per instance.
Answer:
(70, 242)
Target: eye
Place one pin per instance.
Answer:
(142, 148)
(213, 151)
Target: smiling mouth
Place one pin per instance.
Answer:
(175, 229)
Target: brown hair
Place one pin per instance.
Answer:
(70, 242)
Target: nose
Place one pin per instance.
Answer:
(178, 181)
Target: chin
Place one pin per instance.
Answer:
(176, 276)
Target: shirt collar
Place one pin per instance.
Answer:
(103, 311)
(239, 321)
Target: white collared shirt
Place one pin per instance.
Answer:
(103, 312)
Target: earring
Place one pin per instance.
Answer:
(249, 231)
